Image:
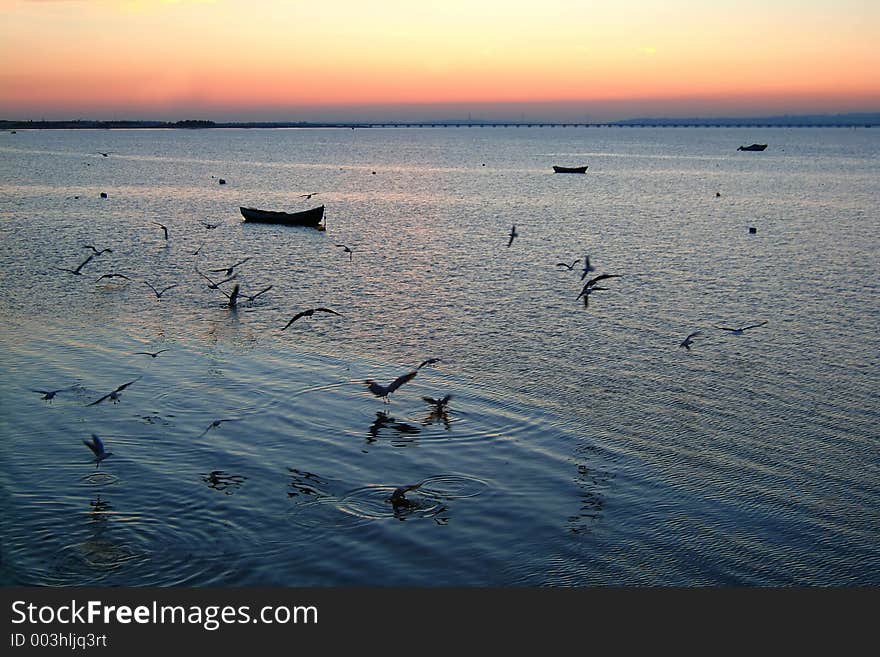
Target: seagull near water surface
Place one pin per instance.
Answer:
(568, 267)
(383, 391)
(689, 340)
(49, 395)
(151, 354)
(346, 249)
(227, 271)
(591, 287)
(740, 330)
(97, 447)
(159, 293)
(163, 227)
(513, 235)
(114, 395)
(112, 275)
(78, 270)
(309, 313)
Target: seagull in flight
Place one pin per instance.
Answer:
(151, 354)
(587, 267)
(569, 267)
(107, 154)
(196, 252)
(309, 313)
(112, 275)
(49, 395)
(254, 296)
(591, 287)
(217, 423)
(77, 271)
(307, 196)
(228, 270)
(689, 340)
(383, 391)
(398, 497)
(114, 396)
(430, 361)
(97, 447)
(159, 293)
(346, 249)
(211, 284)
(513, 234)
(209, 226)
(438, 404)
(163, 227)
(741, 330)
(95, 250)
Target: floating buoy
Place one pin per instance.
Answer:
(103, 194)
(752, 230)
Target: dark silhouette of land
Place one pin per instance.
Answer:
(865, 120)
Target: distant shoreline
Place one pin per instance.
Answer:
(809, 121)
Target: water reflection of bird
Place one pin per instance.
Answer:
(97, 447)
(151, 354)
(739, 331)
(159, 293)
(513, 234)
(114, 395)
(689, 340)
(383, 391)
(78, 270)
(309, 313)
(163, 227)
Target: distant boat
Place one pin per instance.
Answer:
(557, 169)
(305, 218)
(753, 147)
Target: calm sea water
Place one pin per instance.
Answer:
(581, 446)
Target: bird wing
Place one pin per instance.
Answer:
(399, 381)
(155, 291)
(726, 328)
(430, 361)
(293, 319)
(445, 400)
(694, 335)
(125, 385)
(746, 328)
(263, 291)
(84, 263)
(100, 400)
(240, 262)
(93, 445)
(326, 310)
(431, 400)
(601, 277)
(206, 277)
(165, 289)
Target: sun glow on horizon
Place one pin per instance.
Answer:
(218, 56)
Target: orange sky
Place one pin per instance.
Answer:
(293, 60)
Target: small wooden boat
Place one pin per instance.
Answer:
(305, 218)
(557, 169)
(753, 147)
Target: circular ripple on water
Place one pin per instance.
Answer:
(239, 398)
(141, 550)
(99, 479)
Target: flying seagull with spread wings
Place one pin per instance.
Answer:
(309, 313)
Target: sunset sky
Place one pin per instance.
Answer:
(423, 59)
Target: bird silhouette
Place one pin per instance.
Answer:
(309, 313)
(689, 340)
(254, 296)
(741, 330)
(49, 395)
(217, 423)
(430, 361)
(112, 275)
(567, 266)
(159, 293)
(114, 395)
(228, 270)
(346, 249)
(211, 284)
(383, 391)
(307, 196)
(591, 287)
(587, 267)
(97, 447)
(78, 270)
(209, 226)
(513, 234)
(151, 354)
(95, 250)
(440, 403)
(398, 497)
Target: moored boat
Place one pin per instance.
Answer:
(753, 147)
(310, 217)
(557, 169)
